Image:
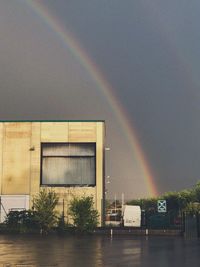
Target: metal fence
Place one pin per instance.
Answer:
(168, 220)
(192, 225)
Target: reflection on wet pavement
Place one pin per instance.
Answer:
(58, 251)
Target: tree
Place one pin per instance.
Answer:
(44, 205)
(193, 208)
(185, 197)
(84, 216)
(196, 192)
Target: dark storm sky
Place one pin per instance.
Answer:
(147, 50)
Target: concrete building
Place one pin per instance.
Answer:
(67, 156)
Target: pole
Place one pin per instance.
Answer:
(115, 206)
(122, 203)
(122, 211)
(63, 218)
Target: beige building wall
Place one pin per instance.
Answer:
(20, 157)
(1, 156)
(16, 158)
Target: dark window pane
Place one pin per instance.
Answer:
(68, 164)
(72, 149)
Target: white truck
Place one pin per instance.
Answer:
(132, 216)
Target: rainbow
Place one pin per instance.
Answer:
(78, 52)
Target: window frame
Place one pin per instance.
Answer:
(67, 143)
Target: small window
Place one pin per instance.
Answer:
(68, 164)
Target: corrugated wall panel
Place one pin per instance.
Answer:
(16, 158)
(54, 131)
(82, 132)
(35, 158)
(99, 167)
(1, 155)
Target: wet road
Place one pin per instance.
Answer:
(98, 251)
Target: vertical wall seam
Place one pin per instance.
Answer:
(97, 165)
(40, 159)
(2, 139)
(3, 154)
(103, 176)
(30, 176)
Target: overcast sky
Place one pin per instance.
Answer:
(148, 51)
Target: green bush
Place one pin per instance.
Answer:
(44, 205)
(22, 221)
(85, 217)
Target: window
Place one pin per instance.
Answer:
(68, 164)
